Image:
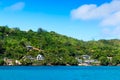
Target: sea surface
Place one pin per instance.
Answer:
(59, 73)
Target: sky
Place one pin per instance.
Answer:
(80, 19)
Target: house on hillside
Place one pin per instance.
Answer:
(28, 57)
(86, 57)
(40, 57)
(29, 48)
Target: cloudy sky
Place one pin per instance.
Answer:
(81, 19)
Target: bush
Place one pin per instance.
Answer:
(1, 62)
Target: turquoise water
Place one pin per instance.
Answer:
(59, 73)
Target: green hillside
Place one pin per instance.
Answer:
(55, 48)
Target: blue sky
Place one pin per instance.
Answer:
(81, 19)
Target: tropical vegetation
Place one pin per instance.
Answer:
(57, 49)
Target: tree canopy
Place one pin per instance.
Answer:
(56, 48)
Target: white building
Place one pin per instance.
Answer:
(86, 57)
(40, 57)
(18, 62)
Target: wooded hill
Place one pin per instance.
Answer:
(57, 49)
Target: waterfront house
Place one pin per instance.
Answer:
(9, 62)
(17, 62)
(87, 61)
(80, 61)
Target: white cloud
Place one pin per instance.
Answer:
(112, 32)
(112, 20)
(93, 11)
(108, 14)
(15, 7)
(82, 12)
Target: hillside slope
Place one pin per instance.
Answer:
(57, 49)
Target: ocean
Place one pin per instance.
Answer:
(59, 73)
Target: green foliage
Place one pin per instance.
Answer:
(56, 48)
(26, 62)
(1, 62)
(104, 60)
(2, 49)
(116, 60)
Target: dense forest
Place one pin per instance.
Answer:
(55, 48)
